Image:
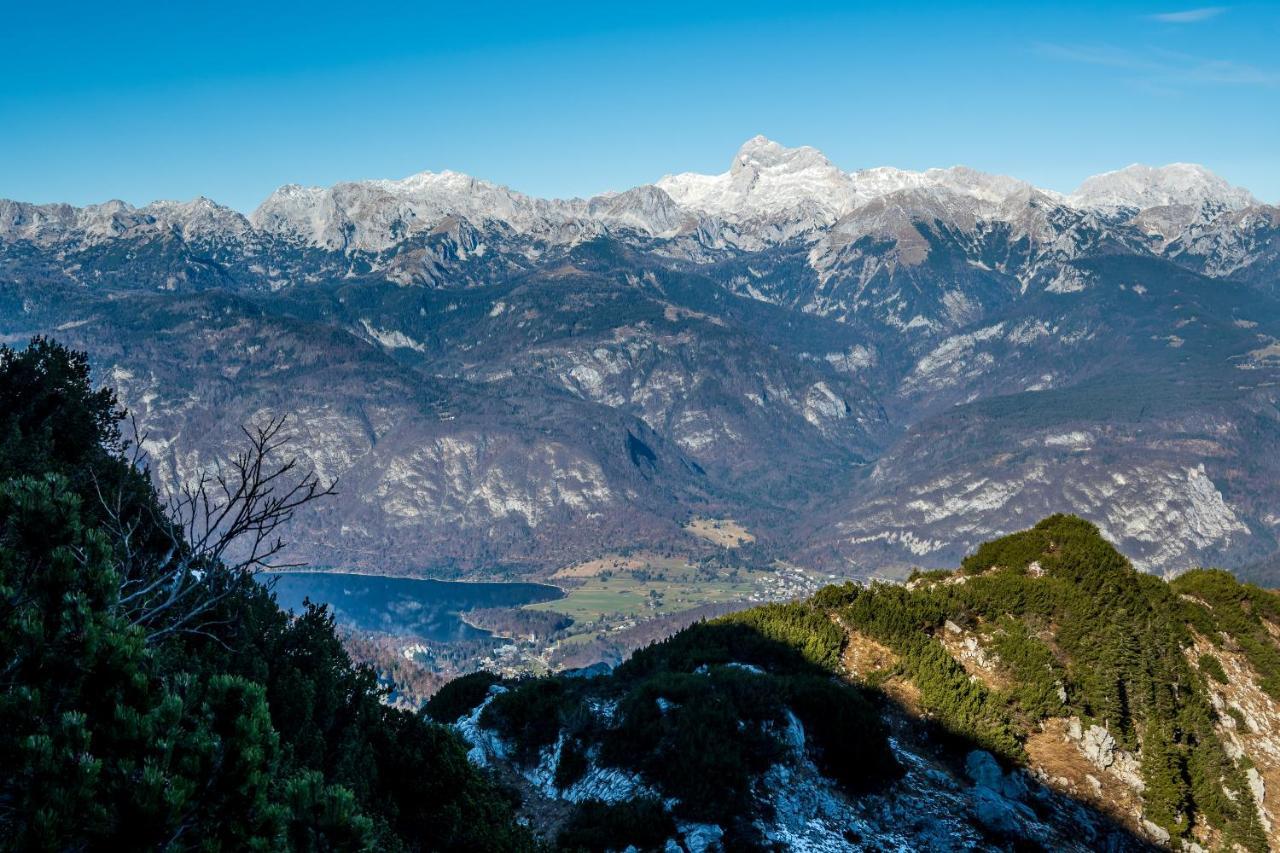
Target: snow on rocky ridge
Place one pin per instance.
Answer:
(769, 194)
(919, 280)
(1144, 187)
(931, 807)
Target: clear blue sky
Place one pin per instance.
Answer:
(143, 100)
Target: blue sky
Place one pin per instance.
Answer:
(141, 101)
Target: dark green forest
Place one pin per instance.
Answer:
(153, 696)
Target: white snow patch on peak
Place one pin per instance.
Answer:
(769, 181)
(1145, 187)
(375, 215)
(760, 152)
(766, 179)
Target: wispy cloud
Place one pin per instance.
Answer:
(1189, 16)
(1163, 70)
(1115, 57)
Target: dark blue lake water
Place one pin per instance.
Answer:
(404, 605)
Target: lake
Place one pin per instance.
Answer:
(425, 608)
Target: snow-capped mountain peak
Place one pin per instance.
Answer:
(373, 215)
(760, 152)
(195, 220)
(770, 193)
(1143, 187)
(767, 181)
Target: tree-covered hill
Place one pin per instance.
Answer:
(1045, 695)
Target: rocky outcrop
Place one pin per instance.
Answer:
(931, 807)
(1249, 724)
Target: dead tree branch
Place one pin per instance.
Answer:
(216, 529)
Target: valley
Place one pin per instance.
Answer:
(474, 428)
(420, 633)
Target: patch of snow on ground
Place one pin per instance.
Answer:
(485, 744)
(1077, 439)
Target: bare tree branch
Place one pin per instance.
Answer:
(216, 529)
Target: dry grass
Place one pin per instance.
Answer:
(1269, 353)
(1065, 768)
(724, 532)
(644, 560)
(864, 656)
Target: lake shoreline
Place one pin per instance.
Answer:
(489, 579)
(429, 608)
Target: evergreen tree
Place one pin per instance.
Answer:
(246, 730)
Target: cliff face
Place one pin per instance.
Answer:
(1046, 693)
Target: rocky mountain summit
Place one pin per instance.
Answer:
(870, 369)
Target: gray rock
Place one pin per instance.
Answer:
(1099, 746)
(1159, 833)
(999, 814)
(702, 837)
(1074, 731)
(983, 769)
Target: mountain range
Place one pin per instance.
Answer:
(870, 370)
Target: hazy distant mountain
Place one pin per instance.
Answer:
(871, 369)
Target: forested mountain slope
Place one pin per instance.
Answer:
(1045, 695)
